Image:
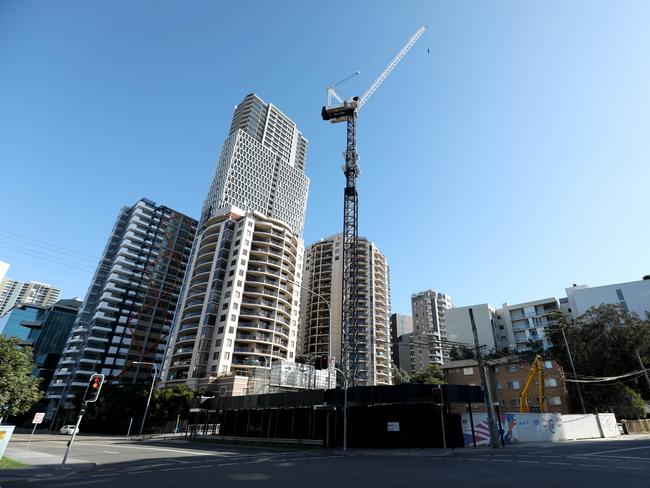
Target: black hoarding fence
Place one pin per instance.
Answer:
(378, 416)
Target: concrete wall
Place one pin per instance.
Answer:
(541, 427)
(635, 296)
(459, 327)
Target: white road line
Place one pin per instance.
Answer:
(195, 453)
(591, 465)
(549, 456)
(200, 467)
(502, 460)
(138, 472)
(170, 469)
(111, 452)
(617, 450)
(627, 467)
(101, 475)
(476, 459)
(227, 464)
(531, 462)
(558, 463)
(83, 483)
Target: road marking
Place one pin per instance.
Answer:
(200, 467)
(531, 462)
(627, 467)
(549, 456)
(82, 483)
(102, 475)
(617, 450)
(227, 464)
(111, 452)
(558, 463)
(138, 472)
(195, 453)
(591, 465)
(502, 460)
(170, 469)
(476, 459)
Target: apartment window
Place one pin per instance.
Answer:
(512, 369)
(497, 369)
(231, 330)
(548, 364)
(239, 283)
(224, 306)
(241, 272)
(550, 382)
(498, 383)
(220, 330)
(223, 318)
(229, 284)
(237, 294)
(229, 342)
(514, 402)
(554, 400)
(233, 317)
(226, 355)
(468, 371)
(513, 385)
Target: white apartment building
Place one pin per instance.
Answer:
(459, 326)
(241, 294)
(128, 310)
(525, 322)
(633, 296)
(239, 309)
(32, 292)
(321, 330)
(429, 329)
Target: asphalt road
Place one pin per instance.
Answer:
(127, 464)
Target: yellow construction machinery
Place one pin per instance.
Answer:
(536, 370)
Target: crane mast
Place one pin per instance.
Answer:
(347, 111)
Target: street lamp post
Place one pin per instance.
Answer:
(153, 382)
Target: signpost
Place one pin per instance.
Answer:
(38, 419)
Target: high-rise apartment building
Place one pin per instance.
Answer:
(321, 333)
(399, 326)
(262, 166)
(240, 301)
(429, 329)
(128, 310)
(13, 292)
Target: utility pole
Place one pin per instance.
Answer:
(494, 433)
(645, 372)
(573, 369)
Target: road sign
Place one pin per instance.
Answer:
(38, 418)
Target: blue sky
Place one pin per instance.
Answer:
(503, 160)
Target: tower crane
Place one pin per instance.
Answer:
(347, 111)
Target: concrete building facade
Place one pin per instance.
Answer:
(241, 294)
(429, 329)
(240, 302)
(633, 296)
(13, 292)
(128, 310)
(459, 326)
(400, 325)
(321, 334)
(522, 324)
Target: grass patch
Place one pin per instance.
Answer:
(8, 463)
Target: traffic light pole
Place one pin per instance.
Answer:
(74, 433)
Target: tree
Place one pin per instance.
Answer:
(433, 375)
(460, 352)
(604, 342)
(399, 375)
(18, 388)
(168, 403)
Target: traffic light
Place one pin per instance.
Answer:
(94, 385)
(437, 395)
(322, 362)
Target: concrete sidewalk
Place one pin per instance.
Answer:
(41, 466)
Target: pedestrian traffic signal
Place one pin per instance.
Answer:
(94, 385)
(437, 395)
(322, 362)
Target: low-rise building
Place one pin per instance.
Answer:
(506, 377)
(459, 326)
(633, 297)
(524, 324)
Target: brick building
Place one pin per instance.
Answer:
(506, 377)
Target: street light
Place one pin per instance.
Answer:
(568, 350)
(153, 382)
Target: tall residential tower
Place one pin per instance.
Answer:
(321, 309)
(429, 329)
(128, 310)
(239, 307)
